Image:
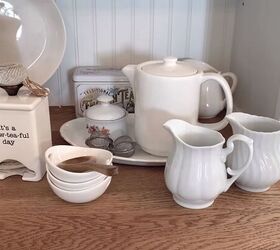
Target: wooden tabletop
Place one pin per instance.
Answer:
(136, 212)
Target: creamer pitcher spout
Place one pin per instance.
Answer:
(170, 126)
(178, 128)
(239, 119)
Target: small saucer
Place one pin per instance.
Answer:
(75, 133)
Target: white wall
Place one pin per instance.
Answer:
(117, 32)
(256, 56)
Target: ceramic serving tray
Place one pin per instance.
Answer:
(75, 133)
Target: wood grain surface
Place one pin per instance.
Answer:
(136, 212)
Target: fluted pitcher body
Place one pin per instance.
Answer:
(264, 170)
(195, 171)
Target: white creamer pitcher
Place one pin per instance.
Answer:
(195, 172)
(165, 90)
(264, 170)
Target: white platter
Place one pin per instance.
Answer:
(32, 33)
(75, 133)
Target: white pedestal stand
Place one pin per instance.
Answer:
(25, 132)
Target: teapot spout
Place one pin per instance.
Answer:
(129, 72)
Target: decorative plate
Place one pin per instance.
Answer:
(33, 34)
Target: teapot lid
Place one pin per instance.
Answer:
(104, 111)
(201, 66)
(171, 67)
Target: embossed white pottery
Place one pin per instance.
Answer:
(195, 172)
(81, 196)
(57, 154)
(264, 170)
(165, 90)
(75, 186)
(212, 100)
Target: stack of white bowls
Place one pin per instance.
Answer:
(76, 187)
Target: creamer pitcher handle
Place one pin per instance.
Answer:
(230, 146)
(222, 81)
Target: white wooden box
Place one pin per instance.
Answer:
(25, 132)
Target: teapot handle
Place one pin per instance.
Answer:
(226, 151)
(222, 81)
(233, 85)
(234, 80)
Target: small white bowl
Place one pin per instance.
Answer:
(56, 154)
(75, 186)
(81, 196)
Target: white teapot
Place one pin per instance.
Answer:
(165, 90)
(212, 100)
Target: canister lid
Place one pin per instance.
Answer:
(105, 111)
(98, 74)
(170, 67)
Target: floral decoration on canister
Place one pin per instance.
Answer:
(97, 131)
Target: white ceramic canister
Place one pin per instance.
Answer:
(212, 98)
(195, 172)
(264, 170)
(165, 90)
(106, 119)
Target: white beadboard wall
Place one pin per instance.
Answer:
(256, 57)
(118, 32)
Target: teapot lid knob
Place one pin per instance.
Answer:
(169, 66)
(105, 99)
(170, 60)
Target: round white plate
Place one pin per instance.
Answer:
(32, 33)
(75, 133)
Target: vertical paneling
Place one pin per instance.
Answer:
(160, 32)
(124, 43)
(71, 57)
(142, 30)
(230, 15)
(216, 23)
(84, 30)
(180, 24)
(54, 84)
(255, 57)
(220, 19)
(118, 32)
(105, 32)
(198, 29)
